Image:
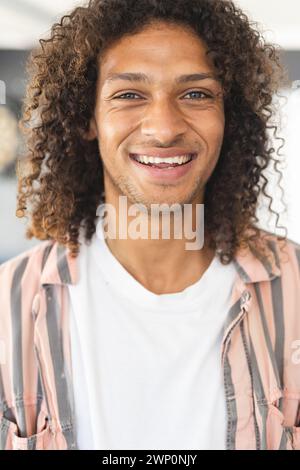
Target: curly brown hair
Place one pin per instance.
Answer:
(61, 176)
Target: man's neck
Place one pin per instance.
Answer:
(161, 265)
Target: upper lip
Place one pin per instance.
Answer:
(163, 153)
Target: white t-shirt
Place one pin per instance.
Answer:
(147, 367)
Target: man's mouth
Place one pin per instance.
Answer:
(163, 162)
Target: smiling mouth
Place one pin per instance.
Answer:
(163, 163)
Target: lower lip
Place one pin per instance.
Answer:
(165, 174)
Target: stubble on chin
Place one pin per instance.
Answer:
(125, 188)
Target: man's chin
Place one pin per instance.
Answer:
(152, 204)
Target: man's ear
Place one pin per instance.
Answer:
(92, 133)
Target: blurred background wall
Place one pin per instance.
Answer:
(24, 22)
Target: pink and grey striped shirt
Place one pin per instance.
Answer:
(260, 352)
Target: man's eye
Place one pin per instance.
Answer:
(199, 92)
(124, 94)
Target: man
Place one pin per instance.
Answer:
(138, 342)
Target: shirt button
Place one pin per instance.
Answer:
(245, 296)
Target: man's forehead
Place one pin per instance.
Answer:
(155, 51)
(148, 63)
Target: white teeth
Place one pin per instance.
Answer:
(180, 160)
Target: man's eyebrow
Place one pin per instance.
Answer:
(141, 77)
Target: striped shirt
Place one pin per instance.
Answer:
(260, 352)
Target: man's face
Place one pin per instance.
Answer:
(158, 117)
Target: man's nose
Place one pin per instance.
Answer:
(163, 120)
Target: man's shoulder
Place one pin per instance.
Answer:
(30, 260)
(279, 239)
(286, 253)
(279, 243)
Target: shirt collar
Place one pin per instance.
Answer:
(255, 267)
(60, 268)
